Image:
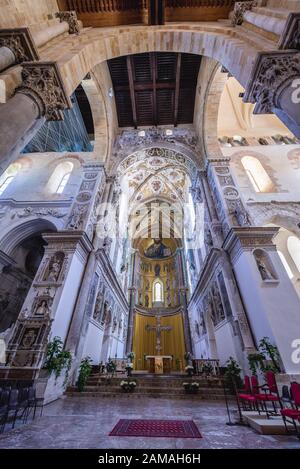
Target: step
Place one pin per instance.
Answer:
(211, 397)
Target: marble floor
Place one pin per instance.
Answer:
(79, 422)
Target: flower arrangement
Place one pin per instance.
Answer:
(128, 386)
(131, 356)
(189, 369)
(191, 387)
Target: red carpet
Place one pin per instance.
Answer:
(157, 428)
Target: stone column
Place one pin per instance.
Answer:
(269, 297)
(7, 58)
(227, 200)
(41, 95)
(17, 117)
(274, 86)
(132, 293)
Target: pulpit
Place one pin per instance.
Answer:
(159, 364)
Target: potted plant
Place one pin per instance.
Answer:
(84, 373)
(189, 370)
(111, 366)
(191, 388)
(129, 365)
(58, 359)
(128, 385)
(233, 375)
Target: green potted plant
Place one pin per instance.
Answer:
(84, 373)
(58, 359)
(111, 367)
(128, 385)
(232, 375)
(129, 365)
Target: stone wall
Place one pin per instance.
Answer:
(15, 13)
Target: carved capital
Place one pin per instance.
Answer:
(20, 42)
(43, 83)
(239, 9)
(290, 38)
(271, 73)
(70, 17)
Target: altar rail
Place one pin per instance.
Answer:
(202, 366)
(97, 13)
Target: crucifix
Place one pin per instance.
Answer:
(158, 329)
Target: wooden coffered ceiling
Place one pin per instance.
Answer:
(97, 13)
(156, 88)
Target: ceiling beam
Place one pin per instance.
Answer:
(154, 86)
(177, 89)
(131, 88)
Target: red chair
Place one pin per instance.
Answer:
(292, 414)
(269, 394)
(246, 397)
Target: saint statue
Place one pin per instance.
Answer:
(42, 309)
(265, 273)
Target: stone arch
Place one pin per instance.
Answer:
(25, 230)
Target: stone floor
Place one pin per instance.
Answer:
(79, 422)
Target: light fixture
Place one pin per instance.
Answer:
(141, 133)
(111, 93)
(169, 132)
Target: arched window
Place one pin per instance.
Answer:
(285, 264)
(158, 291)
(293, 245)
(257, 174)
(8, 176)
(60, 177)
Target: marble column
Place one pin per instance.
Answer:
(17, 117)
(41, 95)
(7, 58)
(271, 302)
(132, 293)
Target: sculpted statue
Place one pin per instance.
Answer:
(42, 309)
(55, 268)
(265, 273)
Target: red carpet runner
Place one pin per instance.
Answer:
(157, 428)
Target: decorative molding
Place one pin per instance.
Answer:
(43, 83)
(21, 43)
(271, 73)
(109, 274)
(290, 38)
(239, 9)
(239, 240)
(69, 17)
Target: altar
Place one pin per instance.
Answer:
(159, 364)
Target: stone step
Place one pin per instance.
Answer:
(150, 389)
(136, 395)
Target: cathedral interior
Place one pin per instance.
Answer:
(149, 214)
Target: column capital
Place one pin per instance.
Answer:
(68, 241)
(20, 42)
(239, 9)
(43, 83)
(290, 38)
(241, 239)
(271, 74)
(69, 17)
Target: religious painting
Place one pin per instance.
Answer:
(157, 250)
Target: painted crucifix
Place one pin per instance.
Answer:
(158, 329)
